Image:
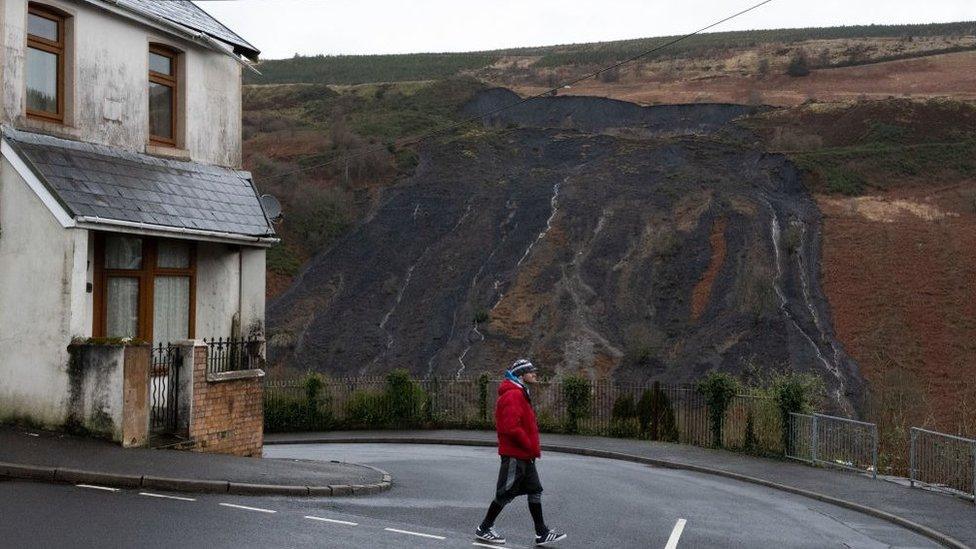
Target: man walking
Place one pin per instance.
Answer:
(518, 446)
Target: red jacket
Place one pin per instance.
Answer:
(518, 434)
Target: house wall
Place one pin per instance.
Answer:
(108, 89)
(43, 302)
(223, 271)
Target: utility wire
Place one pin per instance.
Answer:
(552, 91)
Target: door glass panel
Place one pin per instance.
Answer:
(171, 309)
(122, 304)
(123, 252)
(173, 254)
(42, 27)
(42, 81)
(160, 110)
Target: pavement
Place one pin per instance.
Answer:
(58, 457)
(440, 495)
(949, 520)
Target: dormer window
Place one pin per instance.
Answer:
(45, 63)
(163, 91)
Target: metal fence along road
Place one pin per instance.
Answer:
(673, 413)
(943, 461)
(834, 441)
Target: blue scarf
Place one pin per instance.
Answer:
(514, 379)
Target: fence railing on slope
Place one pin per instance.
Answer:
(673, 413)
(834, 441)
(942, 461)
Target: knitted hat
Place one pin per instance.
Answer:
(521, 367)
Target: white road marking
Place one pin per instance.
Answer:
(93, 487)
(323, 519)
(246, 508)
(486, 545)
(676, 534)
(165, 496)
(414, 533)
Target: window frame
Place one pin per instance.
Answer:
(54, 47)
(146, 275)
(173, 82)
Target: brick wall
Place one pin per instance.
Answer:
(227, 415)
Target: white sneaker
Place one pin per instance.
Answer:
(489, 535)
(549, 538)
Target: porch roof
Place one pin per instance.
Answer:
(101, 184)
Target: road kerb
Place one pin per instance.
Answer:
(67, 475)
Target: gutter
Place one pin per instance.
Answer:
(89, 222)
(181, 30)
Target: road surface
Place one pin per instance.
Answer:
(439, 495)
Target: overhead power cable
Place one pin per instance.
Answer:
(551, 91)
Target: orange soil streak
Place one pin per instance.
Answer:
(703, 290)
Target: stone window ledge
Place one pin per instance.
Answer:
(233, 376)
(167, 151)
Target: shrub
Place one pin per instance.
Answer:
(310, 412)
(576, 392)
(483, 398)
(623, 408)
(404, 399)
(718, 388)
(625, 428)
(366, 409)
(795, 393)
(656, 415)
(799, 64)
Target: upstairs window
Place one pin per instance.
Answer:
(45, 63)
(163, 90)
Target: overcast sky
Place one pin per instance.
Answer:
(281, 28)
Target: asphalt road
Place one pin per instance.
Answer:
(440, 493)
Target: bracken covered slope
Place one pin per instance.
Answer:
(592, 235)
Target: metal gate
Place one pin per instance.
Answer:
(164, 384)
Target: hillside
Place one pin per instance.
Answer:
(875, 239)
(549, 234)
(709, 53)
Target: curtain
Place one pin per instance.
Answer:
(123, 252)
(173, 254)
(171, 309)
(123, 307)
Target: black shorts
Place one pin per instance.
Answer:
(518, 477)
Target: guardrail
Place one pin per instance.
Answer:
(945, 462)
(834, 441)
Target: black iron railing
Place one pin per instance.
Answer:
(231, 355)
(674, 413)
(164, 384)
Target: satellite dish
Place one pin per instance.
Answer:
(272, 208)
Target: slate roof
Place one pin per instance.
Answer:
(190, 15)
(110, 183)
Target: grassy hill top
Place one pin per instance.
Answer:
(357, 69)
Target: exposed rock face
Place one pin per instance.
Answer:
(640, 258)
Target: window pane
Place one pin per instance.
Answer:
(160, 110)
(123, 252)
(173, 254)
(171, 309)
(122, 315)
(160, 63)
(42, 27)
(42, 81)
